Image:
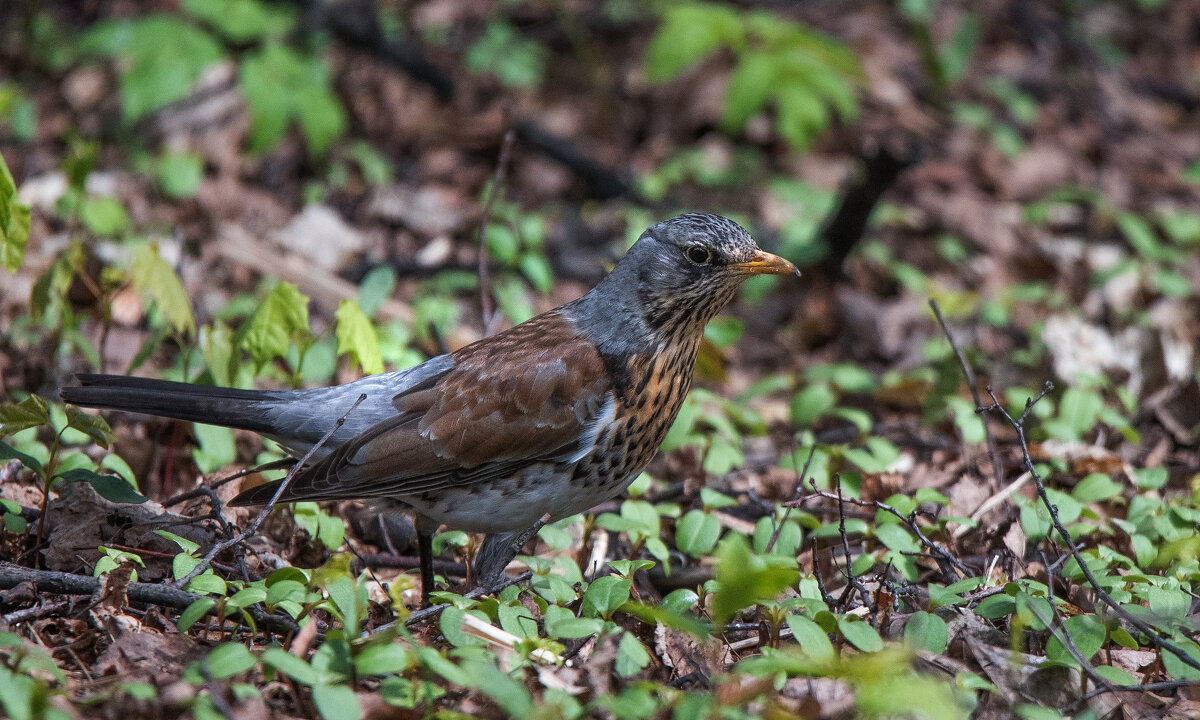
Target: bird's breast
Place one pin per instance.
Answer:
(644, 410)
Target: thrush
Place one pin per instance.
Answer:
(548, 418)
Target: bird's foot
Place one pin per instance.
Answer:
(497, 551)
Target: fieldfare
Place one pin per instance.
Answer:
(550, 417)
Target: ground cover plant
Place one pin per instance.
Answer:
(954, 472)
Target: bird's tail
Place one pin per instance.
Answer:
(243, 409)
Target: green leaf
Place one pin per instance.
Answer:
(897, 537)
(383, 659)
(206, 582)
(217, 448)
(179, 174)
(104, 215)
(1146, 478)
(503, 51)
(1138, 231)
(281, 85)
(113, 488)
(8, 452)
(287, 663)
(605, 595)
(813, 640)
(93, 426)
(162, 57)
(859, 634)
(510, 695)
(689, 32)
(30, 412)
(1088, 634)
(356, 335)
(745, 578)
(229, 660)
(243, 21)
(183, 543)
(750, 86)
(518, 620)
(812, 402)
(336, 702)
(282, 317)
(1096, 487)
(376, 287)
(926, 631)
(194, 612)
(1175, 667)
(14, 222)
(155, 278)
(697, 533)
(1115, 675)
(631, 655)
(562, 625)
(1080, 409)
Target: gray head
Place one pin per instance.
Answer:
(676, 277)
(689, 267)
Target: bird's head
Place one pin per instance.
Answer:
(689, 267)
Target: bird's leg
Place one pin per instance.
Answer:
(498, 550)
(425, 528)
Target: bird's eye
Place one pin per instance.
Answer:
(698, 255)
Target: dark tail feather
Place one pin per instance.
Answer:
(243, 409)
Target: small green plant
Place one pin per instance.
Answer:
(516, 61)
(14, 222)
(805, 75)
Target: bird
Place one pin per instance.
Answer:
(535, 423)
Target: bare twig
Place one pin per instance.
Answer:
(852, 582)
(943, 556)
(262, 515)
(207, 488)
(788, 509)
(972, 384)
(485, 291)
(1018, 424)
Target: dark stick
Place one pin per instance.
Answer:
(262, 515)
(33, 613)
(62, 583)
(843, 231)
(1019, 425)
(485, 296)
(997, 467)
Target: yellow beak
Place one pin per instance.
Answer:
(764, 263)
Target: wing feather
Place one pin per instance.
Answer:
(524, 396)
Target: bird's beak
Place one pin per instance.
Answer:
(764, 263)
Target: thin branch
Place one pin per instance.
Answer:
(1018, 424)
(262, 515)
(972, 384)
(941, 554)
(485, 294)
(206, 488)
(788, 509)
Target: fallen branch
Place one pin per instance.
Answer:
(61, 583)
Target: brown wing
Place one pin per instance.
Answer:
(522, 396)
